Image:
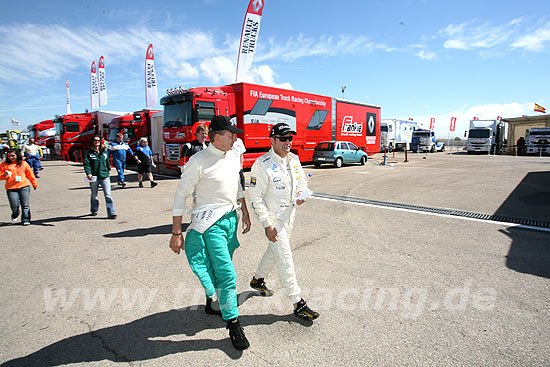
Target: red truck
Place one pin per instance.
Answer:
(73, 132)
(43, 133)
(256, 108)
(134, 126)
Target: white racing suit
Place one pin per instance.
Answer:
(274, 184)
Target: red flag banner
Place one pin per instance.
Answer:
(151, 93)
(476, 118)
(68, 109)
(249, 37)
(432, 123)
(539, 108)
(453, 123)
(101, 80)
(94, 88)
(499, 118)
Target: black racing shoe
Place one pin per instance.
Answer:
(259, 284)
(140, 184)
(305, 313)
(212, 308)
(236, 334)
(153, 184)
(123, 184)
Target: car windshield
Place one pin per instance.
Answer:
(479, 133)
(178, 114)
(325, 146)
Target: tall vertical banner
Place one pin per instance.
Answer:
(432, 123)
(94, 89)
(476, 118)
(102, 86)
(68, 111)
(249, 37)
(453, 123)
(151, 93)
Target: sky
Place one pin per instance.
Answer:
(416, 59)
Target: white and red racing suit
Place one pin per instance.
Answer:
(275, 183)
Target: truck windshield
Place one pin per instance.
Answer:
(479, 134)
(421, 135)
(71, 126)
(384, 128)
(178, 114)
(545, 132)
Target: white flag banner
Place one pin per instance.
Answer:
(249, 37)
(14, 122)
(151, 93)
(68, 97)
(102, 86)
(94, 89)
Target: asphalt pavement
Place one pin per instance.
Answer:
(393, 287)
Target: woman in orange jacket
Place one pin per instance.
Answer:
(19, 178)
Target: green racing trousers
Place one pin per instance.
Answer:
(210, 256)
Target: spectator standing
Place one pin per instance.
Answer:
(33, 153)
(144, 158)
(196, 145)
(19, 177)
(97, 166)
(118, 150)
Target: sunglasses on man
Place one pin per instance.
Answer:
(285, 138)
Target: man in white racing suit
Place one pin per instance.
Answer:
(276, 184)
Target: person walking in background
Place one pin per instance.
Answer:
(118, 150)
(239, 147)
(97, 166)
(19, 178)
(3, 148)
(212, 175)
(144, 159)
(33, 153)
(276, 182)
(196, 145)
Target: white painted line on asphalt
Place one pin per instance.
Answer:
(505, 224)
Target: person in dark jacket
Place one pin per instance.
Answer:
(97, 167)
(196, 145)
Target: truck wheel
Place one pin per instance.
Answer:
(363, 160)
(433, 149)
(443, 148)
(317, 164)
(338, 163)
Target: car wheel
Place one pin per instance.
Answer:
(338, 162)
(363, 160)
(317, 164)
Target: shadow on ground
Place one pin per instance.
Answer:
(529, 252)
(148, 338)
(141, 232)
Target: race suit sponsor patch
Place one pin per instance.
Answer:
(252, 181)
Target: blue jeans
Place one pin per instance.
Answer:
(34, 163)
(120, 167)
(94, 202)
(17, 196)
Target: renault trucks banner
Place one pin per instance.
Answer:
(94, 89)
(151, 93)
(249, 37)
(453, 123)
(102, 86)
(432, 123)
(68, 109)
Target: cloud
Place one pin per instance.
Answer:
(219, 69)
(301, 46)
(470, 35)
(426, 55)
(534, 41)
